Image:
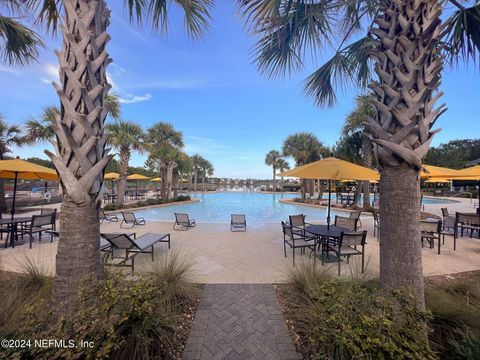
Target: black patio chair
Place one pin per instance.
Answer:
(449, 228)
(298, 223)
(348, 223)
(467, 222)
(183, 221)
(430, 231)
(129, 218)
(356, 215)
(346, 247)
(38, 225)
(296, 240)
(106, 217)
(142, 245)
(238, 222)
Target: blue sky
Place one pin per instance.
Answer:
(211, 91)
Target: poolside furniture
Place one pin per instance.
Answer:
(422, 207)
(297, 222)
(142, 245)
(449, 228)
(445, 213)
(13, 227)
(346, 247)
(129, 218)
(347, 223)
(297, 240)
(183, 221)
(430, 230)
(468, 221)
(356, 215)
(38, 225)
(106, 217)
(238, 222)
(376, 223)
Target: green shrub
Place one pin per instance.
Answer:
(124, 319)
(345, 319)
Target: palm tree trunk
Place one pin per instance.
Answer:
(195, 181)
(3, 201)
(163, 171)
(176, 185)
(366, 195)
(273, 180)
(282, 183)
(400, 246)
(358, 192)
(122, 181)
(80, 157)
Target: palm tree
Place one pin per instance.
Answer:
(162, 141)
(125, 136)
(80, 155)
(9, 135)
(184, 168)
(406, 41)
(304, 148)
(271, 159)
(197, 163)
(282, 166)
(207, 170)
(355, 124)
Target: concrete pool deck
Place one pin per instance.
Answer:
(255, 256)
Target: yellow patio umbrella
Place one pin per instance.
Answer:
(438, 180)
(430, 171)
(332, 169)
(137, 177)
(111, 176)
(157, 179)
(21, 169)
(471, 173)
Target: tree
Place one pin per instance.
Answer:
(162, 142)
(207, 169)
(454, 154)
(304, 148)
(125, 136)
(80, 155)
(406, 41)
(9, 135)
(197, 163)
(355, 124)
(271, 159)
(282, 166)
(184, 168)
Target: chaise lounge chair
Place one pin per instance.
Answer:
(238, 222)
(129, 218)
(106, 217)
(143, 245)
(183, 221)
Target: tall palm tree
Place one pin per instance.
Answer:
(406, 41)
(162, 141)
(197, 163)
(184, 168)
(80, 154)
(207, 170)
(355, 124)
(272, 159)
(282, 166)
(125, 136)
(9, 135)
(304, 148)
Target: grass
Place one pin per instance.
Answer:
(143, 318)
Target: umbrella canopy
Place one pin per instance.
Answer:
(21, 169)
(157, 179)
(471, 173)
(332, 169)
(111, 176)
(430, 171)
(137, 177)
(438, 180)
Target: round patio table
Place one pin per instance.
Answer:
(13, 228)
(331, 231)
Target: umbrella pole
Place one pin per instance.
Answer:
(14, 194)
(329, 202)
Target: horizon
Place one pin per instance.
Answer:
(211, 91)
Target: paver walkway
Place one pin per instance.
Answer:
(239, 321)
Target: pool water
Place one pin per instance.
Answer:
(259, 208)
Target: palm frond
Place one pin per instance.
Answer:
(112, 103)
(196, 15)
(20, 44)
(462, 35)
(48, 12)
(136, 8)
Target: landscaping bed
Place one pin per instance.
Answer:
(148, 202)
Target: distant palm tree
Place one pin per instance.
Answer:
(282, 166)
(125, 136)
(197, 163)
(162, 140)
(184, 168)
(272, 159)
(9, 135)
(304, 148)
(207, 170)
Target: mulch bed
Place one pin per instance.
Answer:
(442, 280)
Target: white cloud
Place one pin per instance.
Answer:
(174, 84)
(51, 70)
(130, 99)
(9, 70)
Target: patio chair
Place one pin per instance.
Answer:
(467, 222)
(298, 223)
(347, 223)
(183, 221)
(449, 228)
(346, 247)
(142, 245)
(38, 225)
(422, 207)
(296, 240)
(106, 217)
(356, 215)
(129, 218)
(238, 222)
(445, 213)
(376, 223)
(430, 231)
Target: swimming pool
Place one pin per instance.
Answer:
(260, 208)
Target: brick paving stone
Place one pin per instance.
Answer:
(239, 321)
